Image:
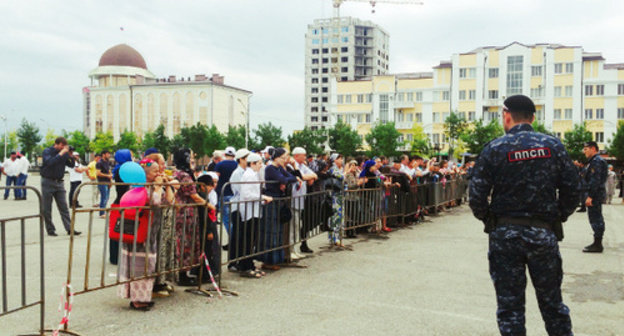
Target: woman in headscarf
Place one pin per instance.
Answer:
(277, 179)
(188, 242)
(121, 156)
(337, 176)
(133, 262)
(352, 200)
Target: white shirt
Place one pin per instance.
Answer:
(74, 176)
(250, 192)
(213, 198)
(237, 174)
(405, 169)
(23, 165)
(298, 199)
(11, 168)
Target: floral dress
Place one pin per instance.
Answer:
(188, 245)
(335, 222)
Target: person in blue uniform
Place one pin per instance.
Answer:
(595, 179)
(534, 188)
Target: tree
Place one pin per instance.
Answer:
(128, 140)
(454, 127)
(574, 139)
(383, 139)
(80, 142)
(102, 141)
(541, 128)
(268, 134)
(29, 137)
(213, 140)
(616, 144)
(157, 139)
(235, 136)
(479, 135)
(344, 140)
(311, 140)
(48, 140)
(420, 140)
(11, 144)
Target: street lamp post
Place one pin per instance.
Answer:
(4, 118)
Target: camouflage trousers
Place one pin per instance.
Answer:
(165, 248)
(596, 220)
(513, 250)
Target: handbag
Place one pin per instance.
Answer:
(128, 236)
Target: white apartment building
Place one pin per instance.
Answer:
(350, 49)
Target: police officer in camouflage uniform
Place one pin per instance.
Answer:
(534, 189)
(595, 179)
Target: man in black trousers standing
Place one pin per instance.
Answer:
(55, 159)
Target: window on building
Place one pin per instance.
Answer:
(620, 113)
(323, 118)
(315, 61)
(314, 90)
(620, 89)
(589, 90)
(360, 98)
(383, 108)
(537, 92)
(315, 31)
(344, 39)
(344, 59)
(340, 99)
(314, 71)
(368, 118)
(472, 115)
(419, 96)
(314, 109)
(315, 41)
(314, 80)
(410, 96)
(536, 70)
(463, 72)
(325, 90)
(568, 114)
(462, 95)
(436, 117)
(568, 90)
(493, 72)
(418, 116)
(344, 79)
(344, 69)
(325, 70)
(315, 99)
(557, 91)
(445, 116)
(325, 80)
(369, 98)
(461, 115)
(348, 99)
(325, 50)
(569, 67)
(436, 138)
(410, 117)
(400, 116)
(324, 99)
(492, 94)
(472, 72)
(599, 137)
(445, 95)
(314, 119)
(589, 114)
(514, 75)
(472, 94)
(401, 96)
(539, 114)
(558, 68)
(557, 114)
(315, 51)
(359, 118)
(599, 113)
(344, 29)
(325, 40)
(325, 60)
(600, 90)
(344, 49)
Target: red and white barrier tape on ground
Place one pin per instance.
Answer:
(212, 279)
(66, 306)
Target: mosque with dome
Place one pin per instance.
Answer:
(125, 95)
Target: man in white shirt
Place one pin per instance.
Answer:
(236, 236)
(405, 166)
(11, 169)
(298, 197)
(24, 165)
(75, 178)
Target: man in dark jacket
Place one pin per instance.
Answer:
(595, 179)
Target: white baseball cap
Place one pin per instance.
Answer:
(266, 149)
(253, 157)
(230, 151)
(298, 150)
(241, 153)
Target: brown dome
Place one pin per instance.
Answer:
(122, 55)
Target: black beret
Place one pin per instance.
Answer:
(519, 103)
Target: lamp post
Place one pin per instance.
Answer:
(4, 118)
(247, 119)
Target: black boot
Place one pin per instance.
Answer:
(596, 247)
(582, 209)
(304, 247)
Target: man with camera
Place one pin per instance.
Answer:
(55, 159)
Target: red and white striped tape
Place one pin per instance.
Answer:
(66, 306)
(212, 279)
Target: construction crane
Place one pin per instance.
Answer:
(337, 4)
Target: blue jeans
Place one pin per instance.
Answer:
(21, 181)
(104, 193)
(12, 180)
(225, 213)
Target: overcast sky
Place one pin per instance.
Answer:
(47, 48)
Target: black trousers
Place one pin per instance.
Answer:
(72, 188)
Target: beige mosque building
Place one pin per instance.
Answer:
(125, 95)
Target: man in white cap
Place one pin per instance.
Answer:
(75, 178)
(298, 193)
(235, 222)
(225, 169)
(267, 152)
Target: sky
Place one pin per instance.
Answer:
(47, 48)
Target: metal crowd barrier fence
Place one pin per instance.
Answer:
(157, 241)
(363, 208)
(10, 306)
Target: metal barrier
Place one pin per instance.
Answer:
(23, 302)
(363, 208)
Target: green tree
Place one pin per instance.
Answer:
(213, 140)
(102, 141)
(157, 139)
(268, 134)
(476, 137)
(80, 142)
(48, 140)
(574, 139)
(29, 137)
(541, 128)
(311, 140)
(128, 140)
(420, 140)
(383, 139)
(344, 140)
(235, 136)
(616, 144)
(454, 127)
(11, 144)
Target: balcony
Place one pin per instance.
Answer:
(403, 104)
(403, 124)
